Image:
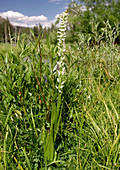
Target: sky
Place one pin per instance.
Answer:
(32, 12)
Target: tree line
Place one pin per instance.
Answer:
(8, 31)
(91, 17)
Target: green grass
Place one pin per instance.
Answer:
(40, 129)
(6, 47)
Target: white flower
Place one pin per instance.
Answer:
(56, 87)
(63, 71)
(63, 82)
(60, 91)
(59, 53)
(89, 97)
(54, 69)
(59, 62)
(63, 58)
(58, 80)
(58, 73)
(61, 86)
(61, 49)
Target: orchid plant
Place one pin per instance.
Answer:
(61, 49)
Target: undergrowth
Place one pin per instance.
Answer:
(43, 129)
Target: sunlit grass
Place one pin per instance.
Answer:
(41, 129)
(7, 47)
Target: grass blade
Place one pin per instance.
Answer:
(33, 123)
(27, 159)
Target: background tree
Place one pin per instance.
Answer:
(36, 31)
(84, 12)
(6, 30)
(40, 28)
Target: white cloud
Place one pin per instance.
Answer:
(21, 24)
(18, 19)
(12, 14)
(48, 23)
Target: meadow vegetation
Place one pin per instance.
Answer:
(7, 47)
(41, 129)
(78, 128)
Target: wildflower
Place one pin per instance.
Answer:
(61, 49)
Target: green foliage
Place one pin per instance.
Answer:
(78, 129)
(36, 31)
(6, 47)
(83, 12)
(53, 37)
